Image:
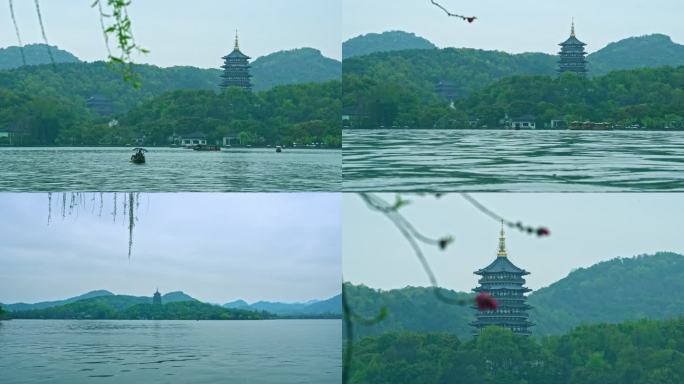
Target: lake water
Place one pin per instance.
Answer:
(255, 352)
(510, 161)
(169, 170)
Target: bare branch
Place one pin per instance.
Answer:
(469, 19)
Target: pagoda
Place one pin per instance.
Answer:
(504, 282)
(156, 299)
(572, 55)
(236, 69)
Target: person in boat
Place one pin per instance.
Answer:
(139, 155)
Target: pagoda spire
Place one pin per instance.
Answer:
(572, 28)
(502, 242)
(237, 44)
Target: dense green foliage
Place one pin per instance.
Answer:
(3, 314)
(409, 309)
(75, 83)
(416, 72)
(307, 113)
(644, 352)
(298, 66)
(608, 292)
(637, 52)
(36, 54)
(302, 114)
(383, 42)
(653, 98)
(397, 89)
(131, 308)
(612, 291)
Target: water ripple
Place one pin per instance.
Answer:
(511, 161)
(169, 170)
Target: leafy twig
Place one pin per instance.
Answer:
(121, 28)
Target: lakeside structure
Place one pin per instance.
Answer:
(157, 299)
(504, 282)
(572, 55)
(236, 69)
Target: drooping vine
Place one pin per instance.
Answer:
(42, 31)
(72, 202)
(16, 30)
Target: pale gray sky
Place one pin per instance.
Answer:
(585, 229)
(180, 32)
(516, 25)
(215, 247)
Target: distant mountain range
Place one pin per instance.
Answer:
(297, 66)
(647, 286)
(166, 298)
(332, 305)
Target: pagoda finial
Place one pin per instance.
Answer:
(572, 29)
(502, 242)
(237, 44)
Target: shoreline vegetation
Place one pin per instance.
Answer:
(102, 305)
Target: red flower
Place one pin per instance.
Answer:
(470, 19)
(543, 231)
(485, 301)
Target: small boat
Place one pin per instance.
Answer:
(205, 147)
(279, 148)
(139, 156)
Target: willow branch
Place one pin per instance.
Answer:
(16, 30)
(42, 31)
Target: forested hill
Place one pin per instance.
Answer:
(77, 81)
(608, 292)
(612, 291)
(637, 52)
(48, 304)
(35, 54)
(383, 42)
(298, 66)
(643, 352)
(419, 70)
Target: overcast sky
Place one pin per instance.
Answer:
(215, 247)
(585, 229)
(180, 32)
(517, 25)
